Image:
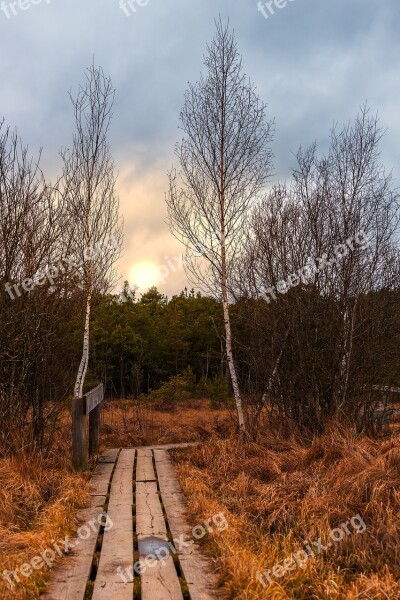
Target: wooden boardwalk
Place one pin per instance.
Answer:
(134, 541)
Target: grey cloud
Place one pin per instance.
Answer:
(314, 62)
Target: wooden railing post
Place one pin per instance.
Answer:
(79, 435)
(82, 448)
(94, 431)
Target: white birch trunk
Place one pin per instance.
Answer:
(80, 379)
(228, 339)
(232, 368)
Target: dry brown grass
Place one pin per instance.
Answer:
(39, 501)
(280, 493)
(275, 495)
(124, 424)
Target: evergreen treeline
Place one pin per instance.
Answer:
(139, 343)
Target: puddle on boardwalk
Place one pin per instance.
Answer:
(154, 545)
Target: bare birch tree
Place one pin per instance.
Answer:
(225, 161)
(93, 224)
(321, 250)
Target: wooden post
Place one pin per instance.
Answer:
(82, 447)
(79, 435)
(94, 431)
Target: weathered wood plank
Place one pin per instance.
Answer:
(94, 398)
(110, 456)
(117, 550)
(197, 570)
(121, 495)
(100, 480)
(72, 574)
(114, 577)
(144, 467)
(150, 520)
(113, 590)
(169, 446)
(159, 580)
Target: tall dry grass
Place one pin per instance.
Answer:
(280, 493)
(39, 501)
(128, 424)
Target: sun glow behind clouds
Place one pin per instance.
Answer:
(144, 275)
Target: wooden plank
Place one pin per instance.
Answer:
(144, 467)
(110, 456)
(121, 495)
(114, 590)
(93, 398)
(196, 569)
(159, 580)
(169, 446)
(150, 520)
(100, 480)
(117, 550)
(70, 578)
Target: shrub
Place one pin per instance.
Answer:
(218, 391)
(177, 389)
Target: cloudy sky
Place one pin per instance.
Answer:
(314, 62)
